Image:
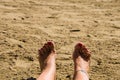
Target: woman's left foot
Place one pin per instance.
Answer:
(47, 56)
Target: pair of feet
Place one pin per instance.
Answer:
(81, 57)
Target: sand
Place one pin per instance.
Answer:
(25, 25)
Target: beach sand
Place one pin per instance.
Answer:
(25, 25)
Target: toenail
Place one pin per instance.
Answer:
(41, 49)
(50, 43)
(86, 49)
(45, 44)
(79, 44)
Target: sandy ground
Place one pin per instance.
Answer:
(25, 25)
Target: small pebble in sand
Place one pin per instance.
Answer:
(74, 30)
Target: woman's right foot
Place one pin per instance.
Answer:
(81, 58)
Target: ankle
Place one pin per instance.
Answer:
(78, 67)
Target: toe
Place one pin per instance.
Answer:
(50, 46)
(78, 45)
(45, 48)
(40, 51)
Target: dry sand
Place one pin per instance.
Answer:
(26, 24)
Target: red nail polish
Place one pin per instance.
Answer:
(41, 49)
(79, 44)
(50, 43)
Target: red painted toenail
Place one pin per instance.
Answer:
(86, 49)
(45, 44)
(79, 44)
(41, 49)
(50, 43)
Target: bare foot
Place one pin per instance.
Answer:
(47, 56)
(81, 57)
